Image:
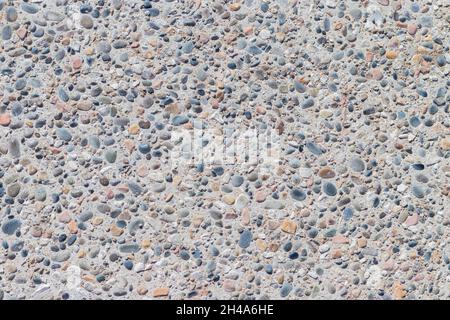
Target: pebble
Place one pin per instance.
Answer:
(245, 239)
(356, 13)
(111, 156)
(129, 248)
(285, 290)
(11, 14)
(288, 226)
(86, 21)
(313, 148)
(29, 8)
(40, 194)
(298, 195)
(329, 189)
(347, 213)
(412, 29)
(179, 120)
(418, 191)
(326, 173)
(9, 227)
(237, 181)
(13, 190)
(63, 134)
(14, 148)
(160, 292)
(308, 103)
(6, 32)
(5, 119)
(357, 165)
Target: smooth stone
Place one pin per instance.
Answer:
(20, 84)
(294, 163)
(412, 29)
(305, 172)
(347, 213)
(299, 87)
(417, 191)
(241, 202)
(53, 16)
(11, 14)
(330, 233)
(356, 164)
(111, 156)
(135, 225)
(285, 290)
(30, 8)
(104, 47)
(245, 239)
(135, 188)
(86, 21)
(40, 194)
(211, 266)
(85, 216)
(298, 194)
(13, 190)
(6, 32)
(94, 142)
(274, 204)
(313, 148)
(218, 171)
(201, 75)
(329, 189)
(237, 181)
(63, 134)
(356, 13)
(215, 214)
(144, 148)
(184, 255)
(308, 103)
(426, 21)
(414, 122)
(326, 173)
(9, 227)
(14, 148)
(159, 187)
(312, 233)
(338, 55)
(61, 256)
(441, 60)
(179, 120)
(370, 252)
(119, 44)
(129, 248)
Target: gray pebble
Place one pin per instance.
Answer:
(63, 134)
(245, 239)
(237, 181)
(356, 164)
(329, 189)
(11, 14)
(86, 21)
(418, 191)
(9, 227)
(129, 248)
(29, 8)
(286, 288)
(298, 194)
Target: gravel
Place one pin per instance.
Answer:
(224, 149)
